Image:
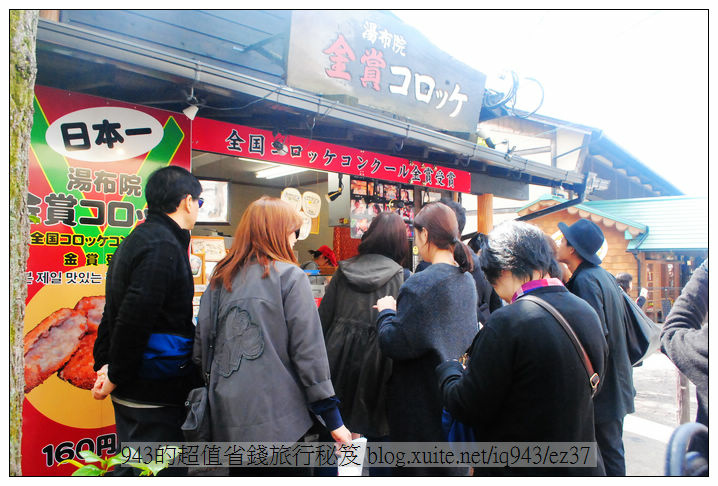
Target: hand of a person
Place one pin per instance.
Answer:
(101, 377)
(342, 435)
(644, 292)
(102, 371)
(384, 303)
(103, 386)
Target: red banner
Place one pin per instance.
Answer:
(89, 161)
(241, 141)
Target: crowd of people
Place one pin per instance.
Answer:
(380, 356)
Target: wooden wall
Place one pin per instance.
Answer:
(617, 259)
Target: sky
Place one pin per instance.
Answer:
(640, 76)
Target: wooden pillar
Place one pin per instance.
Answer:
(53, 15)
(684, 399)
(485, 213)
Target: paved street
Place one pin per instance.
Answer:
(646, 432)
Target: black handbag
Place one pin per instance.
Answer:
(197, 426)
(643, 336)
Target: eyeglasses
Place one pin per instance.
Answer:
(200, 201)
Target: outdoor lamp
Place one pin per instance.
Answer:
(280, 147)
(191, 111)
(487, 138)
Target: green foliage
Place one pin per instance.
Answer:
(108, 464)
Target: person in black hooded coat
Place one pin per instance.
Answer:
(358, 368)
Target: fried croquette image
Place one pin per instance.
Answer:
(78, 371)
(50, 344)
(92, 307)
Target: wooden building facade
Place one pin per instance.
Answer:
(659, 241)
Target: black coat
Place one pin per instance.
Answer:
(149, 289)
(525, 382)
(359, 370)
(600, 289)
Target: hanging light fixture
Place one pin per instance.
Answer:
(191, 111)
(280, 146)
(332, 196)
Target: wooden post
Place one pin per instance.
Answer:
(485, 213)
(684, 399)
(53, 15)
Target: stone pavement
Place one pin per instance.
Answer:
(646, 432)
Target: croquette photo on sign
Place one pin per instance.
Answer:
(89, 161)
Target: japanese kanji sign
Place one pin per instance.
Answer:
(89, 162)
(241, 141)
(384, 63)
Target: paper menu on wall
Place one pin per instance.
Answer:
(211, 246)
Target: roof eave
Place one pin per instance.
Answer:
(151, 60)
(604, 146)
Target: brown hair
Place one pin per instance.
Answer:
(386, 236)
(262, 235)
(443, 231)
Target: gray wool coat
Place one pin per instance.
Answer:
(269, 362)
(435, 320)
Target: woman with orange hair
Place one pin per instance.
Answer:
(269, 366)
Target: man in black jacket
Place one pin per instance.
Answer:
(614, 400)
(147, 328)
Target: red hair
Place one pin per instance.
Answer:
(262, 235)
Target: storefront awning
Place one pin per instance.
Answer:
(81, 60)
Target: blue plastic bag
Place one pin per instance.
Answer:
(166, 356)
(455, 430)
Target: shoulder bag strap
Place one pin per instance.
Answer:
(593, 378)
(214, 312)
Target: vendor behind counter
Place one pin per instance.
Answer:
(325, 263)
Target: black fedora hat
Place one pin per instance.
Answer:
(586, 237)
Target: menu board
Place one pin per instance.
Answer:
(371, 198)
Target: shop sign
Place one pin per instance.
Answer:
(241, 141)
(88, 164)
(384, 63)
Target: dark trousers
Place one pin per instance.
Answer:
(149, 425)
(609, 436)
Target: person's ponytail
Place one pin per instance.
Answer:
(462, 255)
